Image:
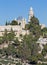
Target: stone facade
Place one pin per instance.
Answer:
(42, 41)
(18, 29)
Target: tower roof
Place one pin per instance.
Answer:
(31, 8)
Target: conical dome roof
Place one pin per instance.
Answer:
(31, 8)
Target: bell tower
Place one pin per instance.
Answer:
(31, 13)
(23, 23)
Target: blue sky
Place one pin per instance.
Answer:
(11, 9)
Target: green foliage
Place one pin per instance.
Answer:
(40, 56)
(9, 51)
(44, 51)
(5, 37)
(45, 47)
(1, 40)
(41, 64)
(33, 21)
(28, 49)
(24, 52)
(8, 36)
(34, 58)
(44, 32)
(14, 22)
(11, 35)
(26, 26)
(18, 63)
(44, 29)
(34, 27)
(16, 41)
(6, 23)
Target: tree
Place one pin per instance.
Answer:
(16, 42)
(6, 23)
(34, 27)
(5, 36)
(24, 52)
(11, 35)
(8, 36)
(44, 32)
(28, 50)
(18, 63)
(26, 26)
(1, 40)
(44, 51)
(14, 22)
(9, 51)
(40, 56)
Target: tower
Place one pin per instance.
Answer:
(31, 13)
(21, 21)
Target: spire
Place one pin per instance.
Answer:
(31, 13)
(31, 8)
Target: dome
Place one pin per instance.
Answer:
(20, 18)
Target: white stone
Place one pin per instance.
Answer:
(31, 13)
